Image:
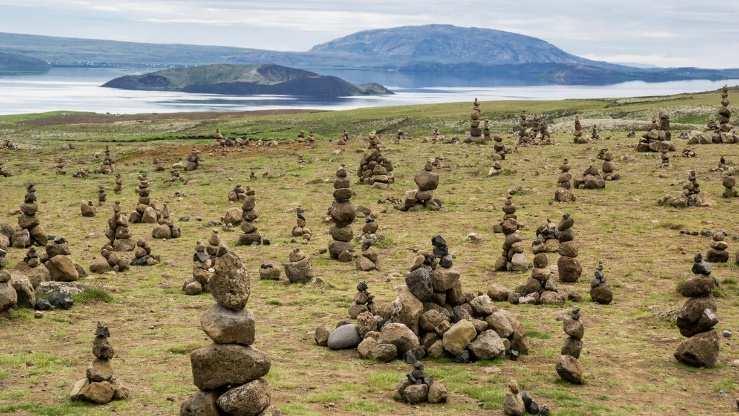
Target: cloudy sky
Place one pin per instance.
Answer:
(652, 32)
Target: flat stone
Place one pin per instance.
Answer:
(216, 366)
(225, 326)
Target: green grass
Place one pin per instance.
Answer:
(92, 295)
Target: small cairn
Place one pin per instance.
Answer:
(100, 385)
(519, 403)
(609, 168)
(659, 136)
(8, 294)
(249, 216)
(344, 139)
(102, 197)
(690, 197)
(540, 288)
(718, 252)
(202, 270)
(145, 210)
(688, 152)
(664, 159)
(88, 209)
(564, 184)
(697, 318)
(591, 179)
(594, 133)
(238, 194)
(495, 170)
(118, 188)
(476, 133)
(28, 224)
(31, 266)
(298, 268)
(419, 388)
(109, 261)
(300, 229)
(568, 266)
(119, 237)
(427, 182)
(368, 259)
(509, 212)
(193, 160)
(342, 215)
(107, 167)
(158, 165)
(166, 228)
(579, 139)
(568, 367)
(142, 255)
(61, 167)
(375, 169)
(229, 373)
(499, 149)
(363, 301)
(729, 182)
(600, 292)
(546, 240)
(513, 258)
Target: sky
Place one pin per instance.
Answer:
(647, 32)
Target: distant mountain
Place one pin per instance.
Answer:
(491, 56)
(13, 64)
(245, 80)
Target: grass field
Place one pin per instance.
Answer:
(628, 345)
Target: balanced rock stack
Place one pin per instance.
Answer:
(723, 132)
(88, 209)
(600, 292)
(564, 184)
(109, 262)
(142, 255)
(427, 182)
(476, 133)
(59, 263)
(167, 228)
(697, 318)
(690, 197)
(118, 188)
(301, 229)
(594, 134)
(519, 403)
(193, 160)
(363, 301)
(496, 169)
(8, 295)
(249, 215)
(609, 168)
(729, 182)
(238, 194)
(145, 210)
(31, 267)
(100, 385)
(229, 373)
(568, 266)
(499, 149)
(540, 287)
(568, 367)
(659, 136)
(718, 252)
(579, 139)
(375, 169)
(119, 236)
(418, 388)
(60, 166)
(202, 270)
(509, 212)
(546, 240)
(29, 229)
(107, 167)
(513, 258)
(591, 179)
(102, 197)
(342, 215)
(298, 268)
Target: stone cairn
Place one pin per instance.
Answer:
(729, 182)
(202, 267)
(301, 229)
(664, 159)
(609, 168)
(342, 215)
(499, 149)
(238, 194)
(540, 288)
(145, 210)
(568, 266)
(495, 170)
(298, 268)
(427, 182)
(102, 196)
(142, 255)
(509, 212)
(546, 240)
(166, 228)
(476, 135)
(568, 367)
(564, 191)
(158, 165)
(590, 179)
(368, 260)
(718, 252)
(375, 169)
(419, 388)
(229, 373)
(87, 209)
(513, 258)
(193, 160)
(658, 137)
(107, 167)
(32, 267)
(594, 133)
(579, 139)
(119, 237)
(8, 295)
(723, 129)
(697, 318)
(59, 263)
(61, 167)
(519, 403)
(533, 130)
(690, 197)
(100, 385)
(118, 188)
(29, 230)
(109, 261)
(600, 292)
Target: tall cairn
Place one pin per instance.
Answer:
(658, 137)
(513, 257)
(119, 236)
(375, 169)
(228, 373)
(568, 266)
(697, 318)
(476, 133)
(145, 211)
(579, 139)
(28, 224)
(342, 214)
(568, 367)
(564, 191)
(723, 132)
(248, 216)
(100, 385)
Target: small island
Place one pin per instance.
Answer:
(245, 80)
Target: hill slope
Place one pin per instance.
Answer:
(13, 64)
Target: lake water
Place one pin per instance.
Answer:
(77, 89)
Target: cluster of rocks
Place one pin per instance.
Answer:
(722, 129)
(540, 288)
(690, 196)
(29, 231)
(119, 237)
(519, 403)
(590, 179)
(477, 135)
(298, 268)
(193, 160)
(166, 228)
(142, 255)
(87, 209)
(513, 257)
(146, 211)
(203, 261)
(568, 366)
(229, 373)
(499, 149)
(568, 266)
(546, 240)
(109, 262)
(427, 181)
(419, 388)
(564, 191)
(718, 252)
(375, 169)
(250, 235)
(496, 169)
(579, 138)
(342, 215)
(368, 259)
(658, 137)
(238, 194)
(600, 292)
(697, 317)
(729, 183)
(301, 230)
(100, 385)
(608, 167)
(533, 130)
(106, 168)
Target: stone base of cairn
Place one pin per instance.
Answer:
(100, 385)
(145, 211)
(59, 263)
(431, 316)
(8, 294)
(609, 168)
(193, 160)
(269, 271)
(729, 184)
(697, 318)
(109, 261)
(579, 138)
(229, 373)
(568, 366)
(533, 131)
(298, 268)
(249, 216)
(496, 169)
(29, 231)
(657, 138)
(142, 255)
(591, 179)
(342, 215)
(203, 261)
(166, 229)
(600, 292)
(87, 209)
(718, 252)
(690, 197)
(427, 182)
(5, 173)
(568, 266)
(417, 387)
(540, 288)
(31, 266)
(564, 191)
(375, 170)
(119, 237)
